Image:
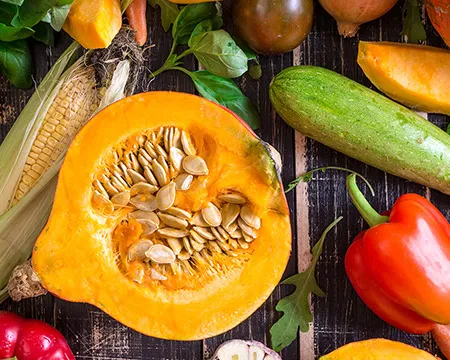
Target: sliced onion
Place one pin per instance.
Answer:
(244, 350)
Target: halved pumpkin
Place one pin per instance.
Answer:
(169, 215)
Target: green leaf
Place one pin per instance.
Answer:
(448, 129)
(15, 63)
(33, 11)
(297, 313)
(413, 29)
(11, 33)
(189, 18)
(58, 16)
(206, 25)
(7, 13)
(44, 33)
(14, 2)
(255, 71)
(169, 12)
(251, 55)
(226, 93)
(219, 54)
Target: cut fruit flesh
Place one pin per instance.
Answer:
(244, 350)
(201, 266)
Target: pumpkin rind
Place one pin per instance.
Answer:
(74, 256)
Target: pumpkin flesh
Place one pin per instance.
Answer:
(82, 253)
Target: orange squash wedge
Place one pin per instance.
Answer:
(414, 75)
(169, 215)
(378, 349)
(94, 24)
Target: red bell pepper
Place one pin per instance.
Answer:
(31, 340)
(400, 267)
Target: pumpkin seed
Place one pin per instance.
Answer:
(217, 235)
(187, 267)
(173, 221)
(184, 255)
(198, 220)
(148, 226)
(211, 214)
(197, 246)
(143, 161)
(206, 256)
(166, 139)
(222, 232)
(175, 266)
(243, 244)
(146, 202)
(182, 214)
(232, 227)
(102, 203)
(176, 157)
(233, 243)
(171, 232)
(117, 184)
(111, 190)
(122, 198)
(245, 228)
(247, 238)
(160, 151)
(164, 164)
(135, 176)
(160, 254)
(199, 259)
(99, 187)
(135, 163)
(229, 212)
(160, 173)
(186, 142)
(236, 234)
(150, 177)
(144, 215)
(145, 155)
(143, 188)
(250, 218)
(166, 196)
(197, 236)
(232, 198)
(187, 245)
(150, 149)
(138, 274)
(137, 250)
(214, 247)
(195, 165)
(121, 179)
(224, 246)
(184, 181)
(177, 138)
(175, 244)
(155, 275)
(204, 232)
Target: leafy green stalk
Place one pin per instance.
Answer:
(307, 177)
(413, 29)
(297, 313)
(169, 12)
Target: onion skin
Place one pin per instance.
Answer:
(350, 14)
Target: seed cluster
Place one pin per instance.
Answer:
(146, 180)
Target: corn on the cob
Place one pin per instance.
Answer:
(72, 107)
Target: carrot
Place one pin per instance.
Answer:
(136, 14)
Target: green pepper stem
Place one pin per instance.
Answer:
(366, 210)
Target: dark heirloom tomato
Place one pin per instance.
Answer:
(273, 26)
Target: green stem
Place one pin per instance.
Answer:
(366, 210)
(182, 69)
(171, 62)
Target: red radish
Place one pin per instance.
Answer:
(136, 13)
(350, 14)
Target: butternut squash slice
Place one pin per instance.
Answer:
(94, 24)
(378, 349)
(415, 75)
(169, 215)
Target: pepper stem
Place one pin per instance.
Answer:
(366, 210)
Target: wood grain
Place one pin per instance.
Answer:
(340, 317)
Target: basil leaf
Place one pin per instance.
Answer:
(206, 25)
(189, 18)
(11, 33)
(33, 11)
(251, 55)
(7, 13)
(219, 54)
(226, 93)
(58, 16)
(14, 2)
(169, 12)
(44, 33)
(15, 63)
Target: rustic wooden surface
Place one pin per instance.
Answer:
(340, 317)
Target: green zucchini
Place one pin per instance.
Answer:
(363, 124)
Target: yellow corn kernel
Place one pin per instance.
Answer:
(72, 107)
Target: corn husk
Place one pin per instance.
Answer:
(21, 223)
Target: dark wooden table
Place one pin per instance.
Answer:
(340, 317)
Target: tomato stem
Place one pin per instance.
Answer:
(366, 210)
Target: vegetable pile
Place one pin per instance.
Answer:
(20, 21)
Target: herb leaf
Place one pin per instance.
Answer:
(58, 15)
(226, 93)
(413, 30)
(169, 12)
(297, 313)
(307, 177)
(14, 2)
(15, 63)
(44, 33)
(33, 11)
(206, 25)
(219, 54)
(189, 18)
(11, 33)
